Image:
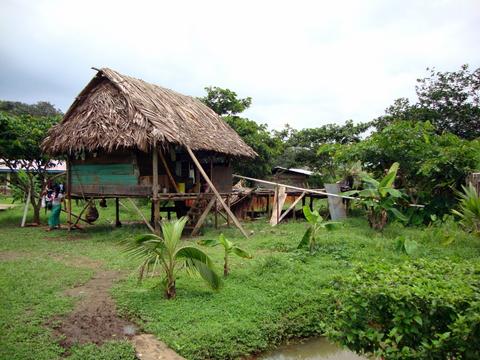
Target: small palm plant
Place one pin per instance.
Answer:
(380, 198)
(229, 248)
(317, 224)
(469, 209)
(167, 253)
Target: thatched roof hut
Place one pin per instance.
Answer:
(115, 112)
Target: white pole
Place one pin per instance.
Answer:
(25, 211)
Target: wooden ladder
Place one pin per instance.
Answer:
(197, 209)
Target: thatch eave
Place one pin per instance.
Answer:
(116, 111)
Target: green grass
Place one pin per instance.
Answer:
(281, 294)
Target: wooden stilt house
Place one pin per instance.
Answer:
(124, 137)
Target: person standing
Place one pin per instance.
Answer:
(56, 199)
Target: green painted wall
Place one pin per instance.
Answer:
(103, 174)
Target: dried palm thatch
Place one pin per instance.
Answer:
(115, 111)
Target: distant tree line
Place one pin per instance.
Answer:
(435, 140)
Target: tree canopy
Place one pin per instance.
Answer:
(20, 139)
(450, 101)
(225, 101)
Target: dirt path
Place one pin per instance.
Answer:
(95, 319)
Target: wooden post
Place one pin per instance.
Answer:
(216, 215)
(217, 194)
(117, 213)
(311, 202)
(303, 202)
(294, 215)
(228, 204)
(268, 205)
(277, 189)
(69, 193)
(156, 203)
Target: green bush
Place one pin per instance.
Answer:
(417, 310)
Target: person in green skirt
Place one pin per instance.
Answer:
(54, 219)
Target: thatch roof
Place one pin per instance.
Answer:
(116, 111)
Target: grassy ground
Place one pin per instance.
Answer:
(280, 294)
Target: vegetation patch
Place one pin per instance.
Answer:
(415, 310)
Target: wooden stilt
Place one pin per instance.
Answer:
(69, 193)
(311, 203)
(216, 214)
(156, 202)
(212, 187)
(117, 213)
(228, 204)
(277, 203)
(294, 213)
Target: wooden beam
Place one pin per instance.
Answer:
(308, 191)
(167, 170)
(202, 218)
(291, 206)
(75, 216)
(143, 216)
(212, 187)
(81, 212)
(156, 203)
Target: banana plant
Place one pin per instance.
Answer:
(316, 225)
(380, 198)
(229, 248)
(167, 253)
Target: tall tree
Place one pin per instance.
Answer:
(450, 101)
(225, 101)
(20, 139)
(227, 104)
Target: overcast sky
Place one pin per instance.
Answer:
(305, 63)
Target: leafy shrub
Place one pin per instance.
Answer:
(380, 198)
(469, 209)
(417, 310)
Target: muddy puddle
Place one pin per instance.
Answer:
(313, 349)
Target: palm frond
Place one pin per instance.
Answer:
(196, 259)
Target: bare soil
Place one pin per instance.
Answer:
(76, 260)
(11, 255)
(148, 347)
(94, 319)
